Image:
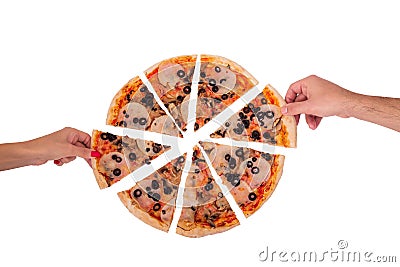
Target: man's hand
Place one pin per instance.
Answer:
(317, 98)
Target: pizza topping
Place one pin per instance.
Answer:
(181, 159)
(170, 74)
(187, 90)
(137, 193)
(164, 125)
(132, 156)
(252, 196)
(255, 135)
(156, 148)
(117, 172)
(208, 187)
(181, 73)
(104, 136)
(142, 121)
(266, 156)
(235, 180)
(224, 97)
(116, 158)
(232, 163)
(167, 190)
(255, 170)
(215, 89)
(219, 75)
(212, 82)
(270, 114)
(249, 164)
(155, 185)
(239, 152)
(227, 157)
(264, 101)
(156, 207)
(155, 196)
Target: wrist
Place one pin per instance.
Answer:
(350, 103)
(33, 152)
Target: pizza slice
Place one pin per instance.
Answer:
(205, 209)
(134, 107)
(251, 176)
(221, 83)
(120, 155)
(153, 199)
(261, 121)
(172, 81)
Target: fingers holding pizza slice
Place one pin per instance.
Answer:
(121, 155)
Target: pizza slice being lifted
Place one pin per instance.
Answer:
(251, 176)
(261, 121)
(120, 155)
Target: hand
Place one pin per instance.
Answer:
(316, 98)
(62, 146)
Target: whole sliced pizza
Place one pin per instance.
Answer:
(218, 118)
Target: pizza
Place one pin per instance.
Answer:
(203, 178)
(251, 176)
(120, 155)
(261, 120)
(221, 83)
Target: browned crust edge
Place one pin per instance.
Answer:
(141, 214)
(100, 178)
(199, 231)
(288, 137)
(271, 184)
(117, 102)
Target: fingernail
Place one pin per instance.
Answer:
(95, 154)
(57, 162)
(284, 109)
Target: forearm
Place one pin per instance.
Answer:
(17, 155)
(383, 111)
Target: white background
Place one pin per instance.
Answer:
(61, 64)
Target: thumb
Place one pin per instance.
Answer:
(295, 108)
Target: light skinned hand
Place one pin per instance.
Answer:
(62, 146)
(316, 98)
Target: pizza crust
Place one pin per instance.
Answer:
(289, 129)
(118, 101)
(100, 178)
(141, 214)
(201, 231)
(272, 182)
